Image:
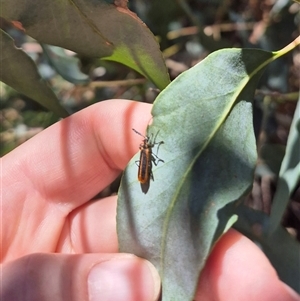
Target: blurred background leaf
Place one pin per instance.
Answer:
(26, 79)
(93, 29)
(66, 65)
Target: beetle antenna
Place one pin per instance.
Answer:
(138, 133)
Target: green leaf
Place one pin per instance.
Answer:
(204, 118)
(67, 66)
(93, 29)
(272, 155)
(289, 175)
(19, 71)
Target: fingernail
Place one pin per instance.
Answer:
(123, 279)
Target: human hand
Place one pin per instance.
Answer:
(58, 245)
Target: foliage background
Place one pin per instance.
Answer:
(187, 32)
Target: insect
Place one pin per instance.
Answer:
(147, 157)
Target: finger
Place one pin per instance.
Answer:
(63, 167)
(88, 277)
(238, 270)
(91, 228)
(80, 155)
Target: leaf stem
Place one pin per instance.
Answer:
(287, 48)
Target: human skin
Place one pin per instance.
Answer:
(58, 245)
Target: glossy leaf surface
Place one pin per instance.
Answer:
(93, 29)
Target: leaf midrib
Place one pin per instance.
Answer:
(217, 127)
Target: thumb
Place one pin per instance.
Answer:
(88, 277)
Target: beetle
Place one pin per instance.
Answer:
(147, 157)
